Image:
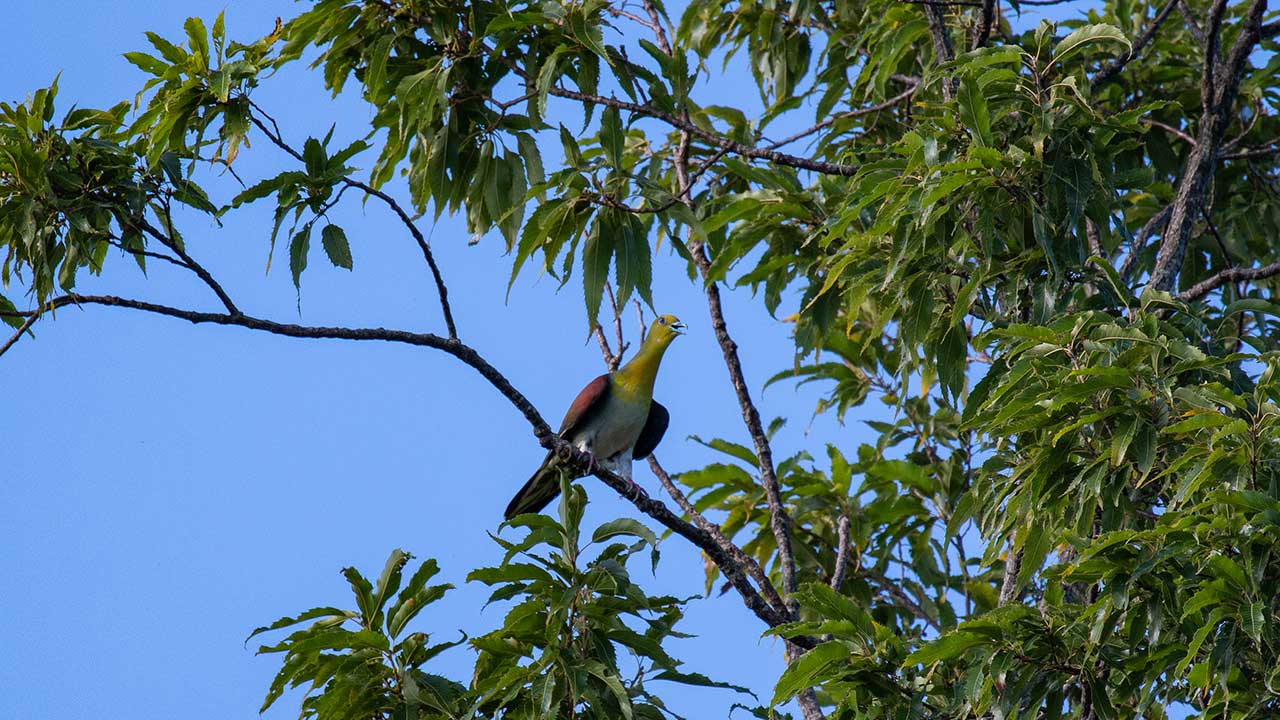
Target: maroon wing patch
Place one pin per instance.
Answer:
(585, 406)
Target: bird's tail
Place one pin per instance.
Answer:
(538, 492)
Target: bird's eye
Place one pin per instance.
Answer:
(662, 321)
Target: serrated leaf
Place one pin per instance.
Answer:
(334, 240)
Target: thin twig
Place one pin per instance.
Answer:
(749, 563)
(172, 243)
(845, 116)
(148, 253)
(443, 291)
(1169, 129)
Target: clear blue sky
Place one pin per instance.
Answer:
(168, 487)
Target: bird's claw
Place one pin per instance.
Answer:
(637, 492)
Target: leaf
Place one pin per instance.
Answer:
(299, 246)
(336, 247)
(312, 614)
(974, 113)
(948, 647)
(612, 139)
(808, 670)
(595, 268)
(1083, 37)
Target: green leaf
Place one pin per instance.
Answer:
(595, 267)
(1083, 37)
(299, 246)
(808, 670)
(974, 113)
(336, 247)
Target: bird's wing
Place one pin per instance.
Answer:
(588, 403)
(655, 426)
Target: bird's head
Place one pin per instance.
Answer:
(665, 329)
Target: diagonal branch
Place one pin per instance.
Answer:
(277, 139)
(469, 356)
(1218, 89)
(23, 329)
(195, 267)
(1114, 67)
(846, 115)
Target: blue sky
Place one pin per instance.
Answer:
(170, 487)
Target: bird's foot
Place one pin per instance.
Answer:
(635, 491)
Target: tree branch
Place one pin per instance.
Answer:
(846, 115)
(746, 561)
(541, 430)
(195, 267)
(443, 291)
(1113, 68)
(1217, 94)
(982, 31)
(1229, 275)
(943, 51)
(1149, 228)
(719, 141)
(23, 329)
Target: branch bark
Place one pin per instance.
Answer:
(1229, 275)
(1218, 88)
(943, 51)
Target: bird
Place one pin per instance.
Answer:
(613, 420)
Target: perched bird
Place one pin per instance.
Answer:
(614, 419)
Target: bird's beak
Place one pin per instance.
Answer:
(679, 327)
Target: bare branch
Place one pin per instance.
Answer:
(1229, 275)
(541, 430)
(659, 33)
(1193, 26)
(1252, 153)
(982, 31)
(1182, 134)
(1113, 68)
(719, 141)
(1094, 238)
(147, 253)
(1009, 586)
(22, 330)
(441, 289)
(749, 563)
(170, 242)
